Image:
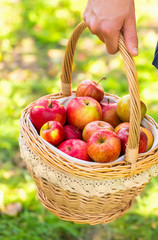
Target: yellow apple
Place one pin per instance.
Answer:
(123, 108)
(149, 136)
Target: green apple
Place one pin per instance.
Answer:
(123, 108)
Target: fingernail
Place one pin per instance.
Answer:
(135, 51)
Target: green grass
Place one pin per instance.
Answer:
(33, 37)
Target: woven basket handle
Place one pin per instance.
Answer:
(135, 118)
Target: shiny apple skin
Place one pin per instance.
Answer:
(121, 125)
(82, 110)
(90, 88)
(72, 132)
(94, 126)
(104, 146)
(53, 132)
(123, 134)
(109, 113)
(149, 136)
(123, 108)
(47, 110)
(75, 148)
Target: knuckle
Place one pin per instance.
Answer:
(105, 30)
(92, 25)
(93, 28)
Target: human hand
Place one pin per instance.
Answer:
(107, 18)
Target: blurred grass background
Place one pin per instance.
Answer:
(33, 37)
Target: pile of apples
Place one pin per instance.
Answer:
(88, 128)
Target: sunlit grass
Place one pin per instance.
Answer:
(33, 37)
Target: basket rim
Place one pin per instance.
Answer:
(93, 171)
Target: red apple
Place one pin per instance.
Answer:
(82, 110)
(109, 113)
(52, 132)
(47, 110)
(72, 132)
(123, 108)
(94, 126)
(149, 136)
(90, 88)
(75, 148)
(121, 125)
(104, 146)
(123, 134)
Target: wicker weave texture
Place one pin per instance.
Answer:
(97, 171)
(74, 206)
(81, 209)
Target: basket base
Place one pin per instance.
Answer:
(72, 215)
(77, 208)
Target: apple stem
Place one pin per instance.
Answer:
(69, 148)
(47, 126)
(100, 138)
(108, 100)
(103, 78)
(50, 104)
(77, 129)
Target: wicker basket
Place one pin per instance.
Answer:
(89, 192)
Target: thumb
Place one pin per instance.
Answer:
(130, 33)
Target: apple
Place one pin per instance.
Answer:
(94, 126)
(82, 110)
(72, 132)
(149, 136)
(75, 148)
(121, 125)
(104, 146)
(109, 113)
(47, 110)
(90, 88)
(123, 108)
(52, 132)
(123, 134)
